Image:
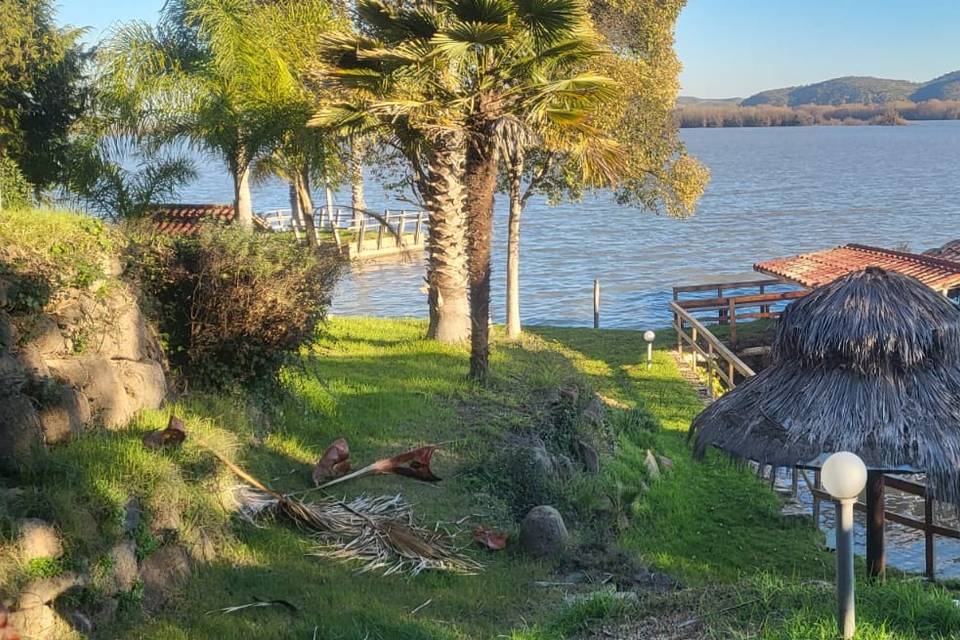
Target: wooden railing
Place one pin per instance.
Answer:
(369, 231)
(720, 361)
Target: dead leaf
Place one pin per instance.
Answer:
(173, 435)
(412, 464)
(334, 463)
(490, 539)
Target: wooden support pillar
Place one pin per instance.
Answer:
(928, 534)
(596, 304)
(732, 319)
(816, 499)
(876, 552)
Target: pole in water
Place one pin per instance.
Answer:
(596, 304)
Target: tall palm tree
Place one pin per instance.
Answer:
(201, 75)
(467, 66)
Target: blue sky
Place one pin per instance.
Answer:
(738, 47)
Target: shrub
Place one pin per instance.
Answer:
(231, 303)
(14, 188)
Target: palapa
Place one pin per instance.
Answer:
(869, 363)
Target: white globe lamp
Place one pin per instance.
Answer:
(649, 336)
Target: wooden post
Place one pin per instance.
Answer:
(732, 319)
(731, 372)
(876, 553)
(596, 304)
(400, 226)
(679, 325)
(416, 231)
(380, 234)
(721, 313)
(710, 368)
(795, 483)
(927, 533)
(816, 499)
(361, 230)
(337, 223)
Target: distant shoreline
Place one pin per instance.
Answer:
(692, 116)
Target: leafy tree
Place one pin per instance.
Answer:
(42, 89)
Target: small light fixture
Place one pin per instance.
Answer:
(649, 336)
(844, 475)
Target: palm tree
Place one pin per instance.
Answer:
(201, 76)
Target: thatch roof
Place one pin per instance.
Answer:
(869, 363)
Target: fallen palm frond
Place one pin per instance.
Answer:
(257, 604)
(377, 532)
(411, 464)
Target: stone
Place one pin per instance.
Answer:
(162, 574)
(665, 464)
(65, 416)
(45, 590)
(144, 382)
(164, 519)
(123, 567)
(132, 514)
(589, 457)
(564, 466)
(543, 532)
(6, 293)
(44, 336)
(39, 539)
(36, 623)
(650, 462)
(33, 363)
(12, 375)
(97, 379)
(19, 429)
(8, 333)
(593, 413)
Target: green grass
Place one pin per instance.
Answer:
(384, 388)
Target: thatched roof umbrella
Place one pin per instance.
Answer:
(869, 363)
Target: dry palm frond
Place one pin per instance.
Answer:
(378, 532)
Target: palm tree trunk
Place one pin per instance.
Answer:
(442, 191)
(357, 199)
(242, 200)
(480, 180)
(302, 182)
(513, 248)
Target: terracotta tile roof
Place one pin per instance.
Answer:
(173, 219)
(821, 267)
(949, 251)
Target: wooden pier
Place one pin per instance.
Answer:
(358, 234)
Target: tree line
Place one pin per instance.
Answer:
(464, 99)
(692, 116)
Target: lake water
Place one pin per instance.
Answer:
(774, 192)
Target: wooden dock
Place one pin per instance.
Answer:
(358, 234)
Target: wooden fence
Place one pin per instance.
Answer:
(720, 361)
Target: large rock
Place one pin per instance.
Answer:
(12, 375)
(8, 333)
(43, 334)
(144, 382)
(97, 379)
(64, 416)
(46, 590)
(594, 411)
(37, 623)
(124, 571)
(163, 574)
(19, 428)
(39, 539)
(543, 532)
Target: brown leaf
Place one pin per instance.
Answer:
(173, 435)
(334, 463)
(490, 539)
(412, 464)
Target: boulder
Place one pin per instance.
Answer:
(65, 416)
(12, 375)
(593, 413)
(97, 379)
(144, 382)
(33, 363)
(44, 335)
(6, 293)
(163, 574)
(8, 334)
(650, 462)
(543, 532)
(37, 623)
(45, 590)
(19, 428)
(124, 571)
(589, 457)
(665, 464)
(39, 539)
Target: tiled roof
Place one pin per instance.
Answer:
(949, 251)
(821, 267)
(174, 219)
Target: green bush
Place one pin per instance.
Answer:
(230, 303)
(14, 188)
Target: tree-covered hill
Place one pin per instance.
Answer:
(946, 87)
(859, 90)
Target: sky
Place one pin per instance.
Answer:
(739, 47)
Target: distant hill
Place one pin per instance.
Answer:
(690, 101)
(859, 90)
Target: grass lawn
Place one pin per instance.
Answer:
(749, 572)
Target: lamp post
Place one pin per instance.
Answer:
(844, 475)
(649, 336)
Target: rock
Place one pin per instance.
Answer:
(653, 469)
(6, 293)
(163, 574)
(37, 623)
(144, 382)
(44, 336)
(589, 457)
(33, 363)
(164, 519)
(8, 334)
(65, 416)
(124, 571)
(132, 514)
(593, 413)
(19, 428)
(541, 459)
(543, 532)
(80, 622)
(97, 379)
(564, 466)
(665, 463)
(39, 539)
(45, 590)
(12, 375)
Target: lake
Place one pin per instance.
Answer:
(774, 191)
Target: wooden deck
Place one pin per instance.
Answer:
(358, 234)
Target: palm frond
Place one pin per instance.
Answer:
(489, 11)
(549, 21)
